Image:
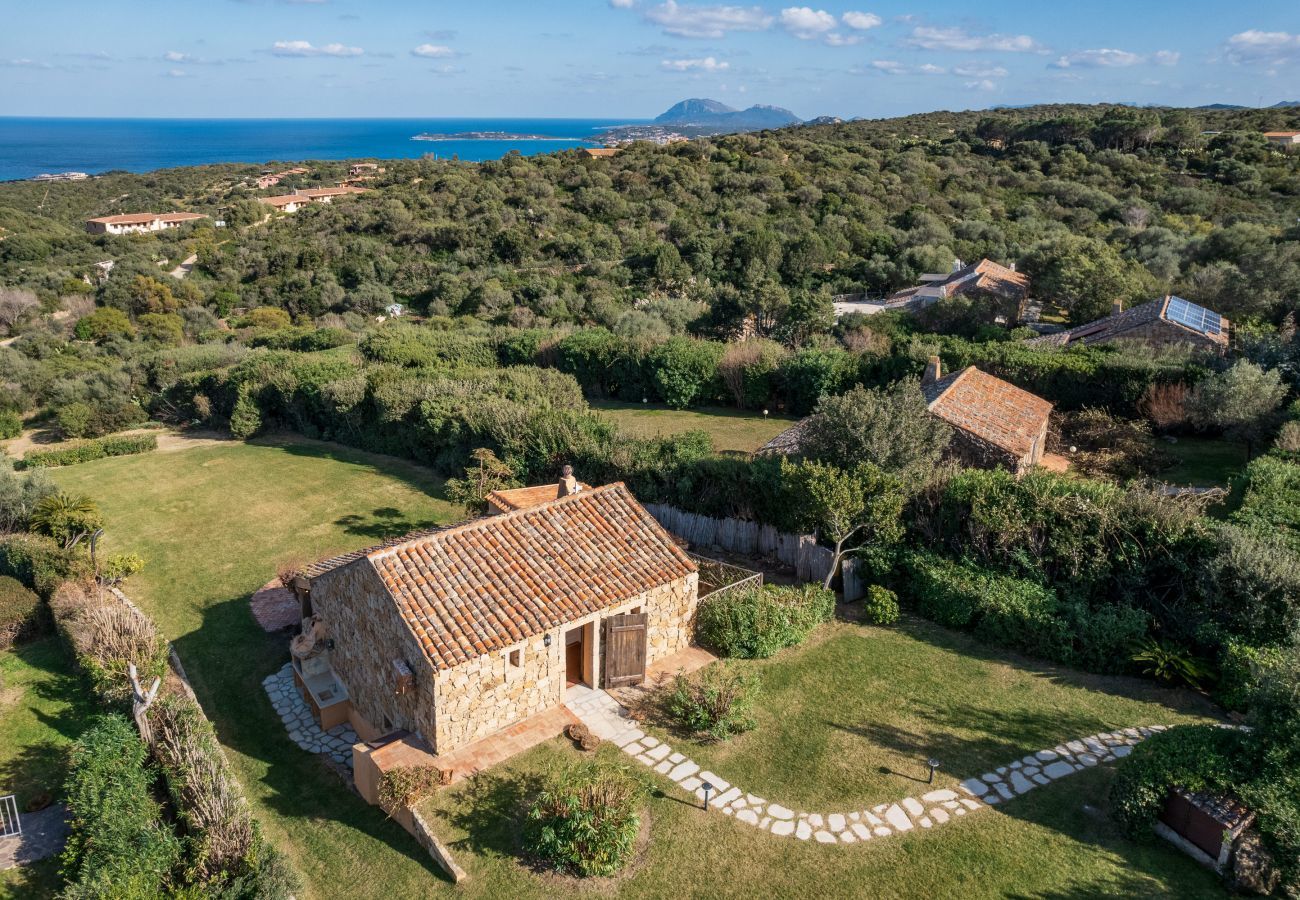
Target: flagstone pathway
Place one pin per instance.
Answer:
(297, 718)
(608, 720)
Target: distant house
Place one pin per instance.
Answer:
(365, 168)
(458, 633)
(1169, 320)
(140, 223)
(1284, 138)
(983, 276)
(298, 199)
(599, 152)
(997, 424)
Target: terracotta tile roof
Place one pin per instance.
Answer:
(1268, 134)
(479, 587)
(315, 193)
(989, 408)
(282, 200)
(527, 497)
(1114, 326)
(145, 218)
(984, 275)
(601, 151)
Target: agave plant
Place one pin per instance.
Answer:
(1170, 664)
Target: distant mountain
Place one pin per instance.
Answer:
(825, 120)
(1285, 104)
(710, 113)
(1221, 106)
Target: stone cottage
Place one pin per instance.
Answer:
(457, 633)
(1167, 321)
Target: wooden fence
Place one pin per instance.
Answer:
(798, 551)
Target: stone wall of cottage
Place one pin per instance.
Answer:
(369, 634)
(487, 694)
(1159, 333)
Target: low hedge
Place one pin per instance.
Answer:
(40, 563)
(85, 451)
(107, 637)
(22, 614)
(756, 623)
(118, 845)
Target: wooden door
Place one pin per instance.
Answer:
(573, 661)
(625, 647)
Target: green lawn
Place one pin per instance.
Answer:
(732, 430)
(212, 522)
(43, 708)
(1203, 462)
(836, 711)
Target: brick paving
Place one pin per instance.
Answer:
(275, 607)
(496, 748)
(607, 719)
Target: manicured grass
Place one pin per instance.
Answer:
(732, 430)
(43, 708)
(212, 523)
(1203, 462)
(848, 719)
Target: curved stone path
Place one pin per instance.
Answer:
(301, 724)
(608, 720)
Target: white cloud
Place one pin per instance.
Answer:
(706, 21)
(433, 51)
(983, 84)
(807, 23)
(860, 21)
(1264, 48)
(176, 56)
(893, 67)
(931, 69)
(176, 73)
(836, 39)
(446, 71)
(306, 48)
(929, 38)
(24, 63)
(1114, 59)
(621, 4)
(980, 71)
(707, 64)
(888, 66)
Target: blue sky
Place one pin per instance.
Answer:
(632, 58)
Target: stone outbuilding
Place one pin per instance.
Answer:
(1168, 321)
(457, 633)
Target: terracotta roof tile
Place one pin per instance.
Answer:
(478, 587)
(989, 408)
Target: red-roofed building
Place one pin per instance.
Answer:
(984, 275)
(996, 424)
(457, 633)
(140, 223)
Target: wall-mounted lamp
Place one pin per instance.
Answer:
(546, 641)
(329, 643)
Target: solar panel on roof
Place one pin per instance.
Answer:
(1195, 317)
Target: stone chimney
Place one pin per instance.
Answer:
(956, 265)
(1012, 266)
(1116, 307)
(568, 484)
(933, 369)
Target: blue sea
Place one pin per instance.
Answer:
(32, 146)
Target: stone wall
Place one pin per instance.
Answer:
(487, 694)
(1159, 333)
(369, 634)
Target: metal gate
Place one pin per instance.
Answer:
(625, 644)
(9, 824)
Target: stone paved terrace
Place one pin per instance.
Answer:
(608, 720)
(487, 752)
(297, 718)
(44, 834)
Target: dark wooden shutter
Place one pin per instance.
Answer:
(625, 644)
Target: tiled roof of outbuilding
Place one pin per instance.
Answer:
(471, 589)
(988, 408)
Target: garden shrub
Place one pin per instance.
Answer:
(11, 424)
(402, 787)
(85, 451)
(1241, 667)
(585, 821)
(880, 606)
(685, 371)
(756, 623)
(1270, 501)
(413, 346)
(712, 704)
(22, 614)
(40, 563)
(107, 636)
(118, 845)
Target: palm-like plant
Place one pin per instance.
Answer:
(1172, 665)
(66, 518)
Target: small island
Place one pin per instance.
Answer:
(490, 136)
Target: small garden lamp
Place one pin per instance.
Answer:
(933, 764)
(707, 787)
(764, 414)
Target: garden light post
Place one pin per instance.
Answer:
(933, 764)
(708, 789)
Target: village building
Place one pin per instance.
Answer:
(1283, 138)
(357, 170)
(599, 152)
(995, 423)
(298, 199)
(983, 276)
(1164, 322)
(140, 223)
(454, 634)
